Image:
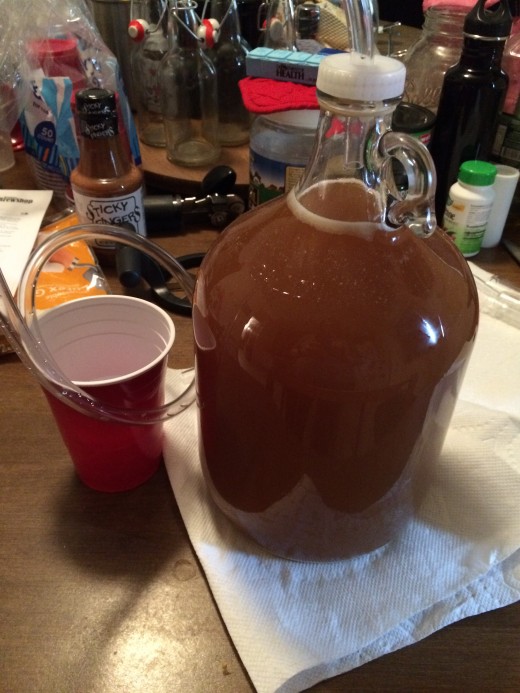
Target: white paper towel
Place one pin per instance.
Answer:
(459, 558)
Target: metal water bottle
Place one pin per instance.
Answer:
(471, 98)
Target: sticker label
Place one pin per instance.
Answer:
(269, 178)
(125, 210)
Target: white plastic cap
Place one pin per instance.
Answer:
(360, 78)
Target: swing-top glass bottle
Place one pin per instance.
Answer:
(278, 31)
(228, 54)
(188, 83)
(145, 61)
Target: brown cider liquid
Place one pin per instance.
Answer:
(329, 357)
(95, 182)
(105, 170)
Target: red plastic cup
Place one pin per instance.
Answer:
(115, 348)
(58, 57)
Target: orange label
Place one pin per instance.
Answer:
(71, 272)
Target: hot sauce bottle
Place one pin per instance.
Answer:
(107, 186)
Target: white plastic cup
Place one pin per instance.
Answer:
(116, 349)
(504, 186)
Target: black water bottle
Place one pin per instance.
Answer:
(471, 98)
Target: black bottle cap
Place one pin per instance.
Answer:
(95, 101)
(489, 22)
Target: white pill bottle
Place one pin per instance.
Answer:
(469, 205)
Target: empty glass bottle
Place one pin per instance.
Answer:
(278, 30)
(188, 82)
(427, 60)
(511, 66)
(152, 46)
(228, 54)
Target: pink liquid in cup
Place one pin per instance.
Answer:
(115, 348)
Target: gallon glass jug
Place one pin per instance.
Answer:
(332, 327)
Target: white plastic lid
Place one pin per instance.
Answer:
(360, 78)
(300, 118)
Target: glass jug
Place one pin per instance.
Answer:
(332, 329)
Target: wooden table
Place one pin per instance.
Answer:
(103, 593)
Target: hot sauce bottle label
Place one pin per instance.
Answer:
(98, 128)
(125, 210)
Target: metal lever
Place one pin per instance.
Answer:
(166, 213)
(217, 204)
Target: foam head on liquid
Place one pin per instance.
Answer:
(339, 206)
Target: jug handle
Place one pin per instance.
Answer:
(415, 207)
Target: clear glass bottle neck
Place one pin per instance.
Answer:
(157, 15)
(184, 25)
(350, 179)
(345, 145)
(154, 12)
(226, 13)
(444, 21)
(104, 158)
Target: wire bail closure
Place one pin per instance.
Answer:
(139, 28)
(208, 32)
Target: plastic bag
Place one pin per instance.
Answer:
(14, 85)
(59, 50)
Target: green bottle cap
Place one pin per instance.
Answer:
(477, 173)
